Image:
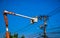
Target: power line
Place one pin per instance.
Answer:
(54, 32)
(54, 28)
(21, 29)
(26, 28)
(54, 12)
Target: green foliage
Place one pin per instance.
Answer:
(14, 36)
(23, 36)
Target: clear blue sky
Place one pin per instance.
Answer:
(30, 8)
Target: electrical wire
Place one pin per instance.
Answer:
(54, 12)
(54, 28)
(37, 34)
(54, 32)
(54, 37)
(27, 26)
(24, 29)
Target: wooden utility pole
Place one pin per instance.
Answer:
(45, 24)
(44, 18)
(44, 29)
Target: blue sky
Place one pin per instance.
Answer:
(31, 8)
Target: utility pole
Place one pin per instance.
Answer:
(45, 24)
(44, 18)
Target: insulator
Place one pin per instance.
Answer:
(40, 17)
(45, 23)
